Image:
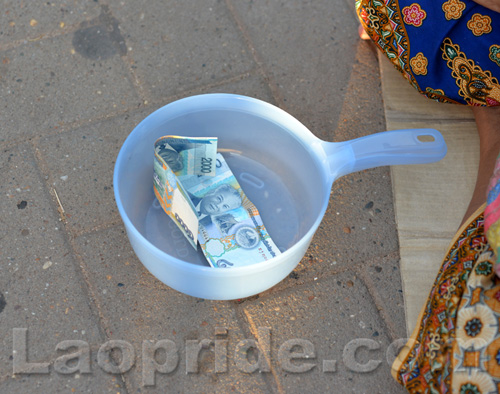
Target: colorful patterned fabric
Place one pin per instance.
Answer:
(448, 50)
(455, 348)
(492, 214)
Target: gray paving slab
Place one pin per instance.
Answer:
(250, 84)
(383, 278)
(47, 84)
(59, 383)
(33, 21)
(359, 214)
(360, 208)
(362, 107)
(136, 307)
(177, 46)
(76, 77)
(42, 287)
(301, 45)
(80, 162)
(333, 329)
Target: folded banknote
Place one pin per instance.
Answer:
(188, 155)
(231, 230)
(181, 156)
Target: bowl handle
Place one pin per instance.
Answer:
(412, 146)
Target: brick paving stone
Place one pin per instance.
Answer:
(349, 220)
(53, 382)
(137, 307)
(357, 227)
(251, 85)
(76, 77)
(180, 46)
(38, 19)
(81, 162)
(333, 315)
(300, 44)
(384, 277)
(41, 287)
(43, 92)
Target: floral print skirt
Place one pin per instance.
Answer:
(455, 347)
(448, 50)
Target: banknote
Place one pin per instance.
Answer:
(231, 232)
(174, 200)
(188, 155)
(175, 157)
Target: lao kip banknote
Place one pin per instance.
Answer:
(175, 157)
(188, 155)
(231, 231)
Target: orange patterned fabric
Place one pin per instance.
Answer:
(456, 346)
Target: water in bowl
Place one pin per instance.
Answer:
(261, 185)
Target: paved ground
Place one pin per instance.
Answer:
(75, 78)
